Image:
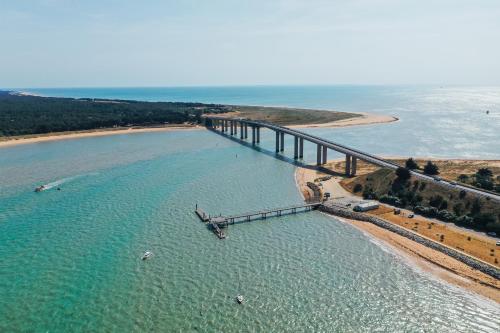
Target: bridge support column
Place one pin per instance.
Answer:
(318, 155)
(277, 141)
(353, 168)
(225, 126)
(235, 128)
(246, 131)
(301, 147)
(325, 148)
(347, 165)
(253, 135)
(295, 147)
(258, 134)
(282, 146)
(241, 131)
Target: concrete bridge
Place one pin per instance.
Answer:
(233, 126)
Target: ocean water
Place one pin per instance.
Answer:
(70, 259)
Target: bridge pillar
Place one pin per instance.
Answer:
(253, 135)
(246, 131)
(301, 147)
(282, 147)
(277, 141)
(235, 128)
(353, 168)
(347, 165)
(241, 131)
(225, 126)
(258, 134)
(325, 148)
(295, 147)
(231, 125)
(318, 155)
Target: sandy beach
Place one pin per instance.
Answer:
(426, 259)
(364, 119)
(38, 138)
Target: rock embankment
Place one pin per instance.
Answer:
(317, 195)
(476, 264)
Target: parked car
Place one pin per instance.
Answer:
(492, 234)
(411, 216)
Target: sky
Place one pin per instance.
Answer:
(100, 43)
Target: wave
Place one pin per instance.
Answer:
(66, 180)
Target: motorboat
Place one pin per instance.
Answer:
(40, 188)
(147, 255)
(239, 299)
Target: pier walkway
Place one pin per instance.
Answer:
(263, 214)
(216, 223)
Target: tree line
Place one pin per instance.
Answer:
(455, 208)
(22, 115)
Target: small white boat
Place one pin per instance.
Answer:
(239, 299)
(147, 255)
(40, 188)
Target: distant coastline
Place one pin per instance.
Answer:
(293, 117)
(46, 137)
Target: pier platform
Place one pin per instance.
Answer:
(201, 214)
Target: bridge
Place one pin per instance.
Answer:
(231, 126)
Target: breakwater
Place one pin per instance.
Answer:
(474, 263)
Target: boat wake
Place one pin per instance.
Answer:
(59, 182)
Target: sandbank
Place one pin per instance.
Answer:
(363, 119)
(38, 138)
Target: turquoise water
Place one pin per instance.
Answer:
(70, 259)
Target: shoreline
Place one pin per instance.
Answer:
(364, 119)
(420, 256)
(56, 136)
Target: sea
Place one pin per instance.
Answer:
(70, 259)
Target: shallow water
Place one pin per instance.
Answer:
(70, 259)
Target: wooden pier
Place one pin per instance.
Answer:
(201, 214)
(218, 222)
